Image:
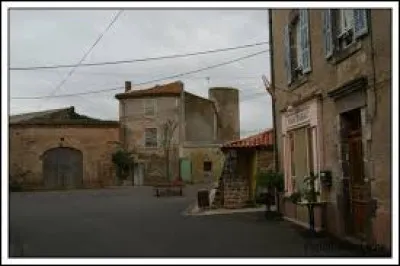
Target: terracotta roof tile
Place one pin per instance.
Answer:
(264, 138)
(174, 88)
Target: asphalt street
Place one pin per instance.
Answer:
(131, 222)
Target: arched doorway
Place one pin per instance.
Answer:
(62, 168)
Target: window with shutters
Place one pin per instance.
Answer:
(342, 28)
(149, 107)
(151, 137)
(297, 45)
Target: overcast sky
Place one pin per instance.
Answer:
(51, 37)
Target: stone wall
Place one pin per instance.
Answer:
(198, 154)
(200, 119)
(236, 194)
(29, 143)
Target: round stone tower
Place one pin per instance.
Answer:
(227, 105)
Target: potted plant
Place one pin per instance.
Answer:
(311, 198)
(295, 197)
(310, 194)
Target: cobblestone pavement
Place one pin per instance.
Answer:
(131, 222)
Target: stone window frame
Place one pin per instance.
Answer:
(146, 137)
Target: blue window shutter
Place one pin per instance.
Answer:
(288, 64)
(327, 32)
(360, 22)
(305, 41)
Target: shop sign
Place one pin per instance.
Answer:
(299, 117)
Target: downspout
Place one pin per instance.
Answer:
(271, 49)
(273, 98)
(370, 118)
(181, 128)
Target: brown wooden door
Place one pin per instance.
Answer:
(359, 196)
(62, 168)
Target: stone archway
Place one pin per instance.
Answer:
(63, 168)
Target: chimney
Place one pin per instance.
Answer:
(128, 86)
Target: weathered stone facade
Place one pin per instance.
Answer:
(195, 138)
(200, 154)
(29, 142)
(369, 58)
(236, 193)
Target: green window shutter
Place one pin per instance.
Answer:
(288, 65)
(327, 32)
(360, 22)
(305, 41)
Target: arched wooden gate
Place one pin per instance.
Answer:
(63, 168)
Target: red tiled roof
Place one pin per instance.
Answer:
(264, 138)
(174, 88)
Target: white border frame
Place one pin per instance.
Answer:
(265, 5)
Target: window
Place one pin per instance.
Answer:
(207, 166)
(297, 46)
(346, 26)
(342, 28)
(149, 107)
(150, 137)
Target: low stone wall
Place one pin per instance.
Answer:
(236, 194)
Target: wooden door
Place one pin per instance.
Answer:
(359, 196)
(62, 167)
(186, 170)
(138, 174)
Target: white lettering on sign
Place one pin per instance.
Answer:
(299, 117)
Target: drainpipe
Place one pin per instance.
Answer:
(275, 137)
(370, 119)
(271, 47)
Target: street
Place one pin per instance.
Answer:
(131, 222)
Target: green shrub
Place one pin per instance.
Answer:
(123, 160)
(270, 180)
(295, 197)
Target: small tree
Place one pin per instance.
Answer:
(123, 161)
(273, 182)
(169, 128)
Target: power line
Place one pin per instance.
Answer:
(142, 59)
(87, 53)
(147, 82)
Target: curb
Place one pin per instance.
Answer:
(193, 210)
(190, 209)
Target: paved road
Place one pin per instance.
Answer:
(131, 222)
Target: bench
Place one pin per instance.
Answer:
(169, 188)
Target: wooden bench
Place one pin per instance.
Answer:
(168, 188)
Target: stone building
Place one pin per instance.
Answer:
(331, 76)
(61, 149)
(245, 158)
(194, 127)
